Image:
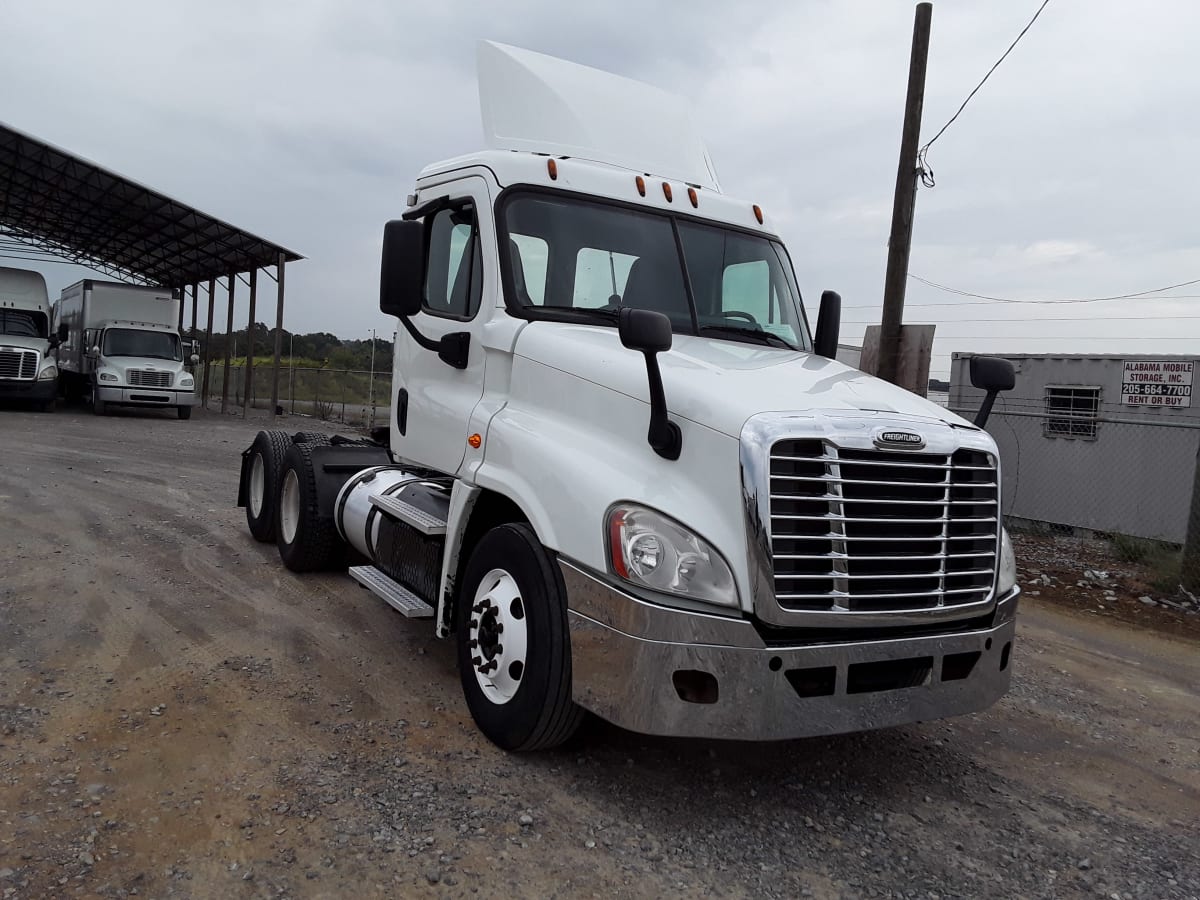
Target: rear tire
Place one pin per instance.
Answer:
(185, 412)
(262, 489)
(308, 541)
(516, 679)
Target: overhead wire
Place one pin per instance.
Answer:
(923, 165)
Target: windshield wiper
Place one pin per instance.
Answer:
(757, 335)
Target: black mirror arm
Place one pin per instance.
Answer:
(985, 410)
(427, 343)
(664, 435)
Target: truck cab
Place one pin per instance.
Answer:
(624, 474)
(124, 347)
(27, 368)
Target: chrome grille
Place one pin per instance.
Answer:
(18, 364)
(146, 378)
(875, 530)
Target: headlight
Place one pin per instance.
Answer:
(648, 549)
(1008, 565)
(108, 376)
(185, 381)
(48, 374)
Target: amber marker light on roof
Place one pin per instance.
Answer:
(667, 191)
(758, 213)
(641, 185)
(694, 197)
(552, 168)
(475, 440)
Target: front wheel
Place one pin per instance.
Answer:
(514, 647)
(185, 412)
(98, 405)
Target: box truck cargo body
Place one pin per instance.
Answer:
(27, 368)
(123, 347)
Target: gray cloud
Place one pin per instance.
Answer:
(1068, 175)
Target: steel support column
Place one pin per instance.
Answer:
(278, 340)
(250, 345)
(228, 346)
(212, 296)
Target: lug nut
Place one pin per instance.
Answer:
(476, 660)
(474, 623)
(473, 643)
(499, 629)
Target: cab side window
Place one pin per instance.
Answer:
(454, 269)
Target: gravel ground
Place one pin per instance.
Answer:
(180, 716)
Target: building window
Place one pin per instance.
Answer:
(1072, 411)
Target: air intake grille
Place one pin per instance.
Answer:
(873, 530)
(18, 364)
(145, 378)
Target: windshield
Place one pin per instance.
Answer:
(145, 344)
(23, 323)
(581, 259)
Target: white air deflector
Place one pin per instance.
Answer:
(543, 104)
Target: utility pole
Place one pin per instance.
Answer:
(904, 204)
(371, 385)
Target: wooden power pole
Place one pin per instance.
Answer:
(900, 239)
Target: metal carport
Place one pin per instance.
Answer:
(56, 204)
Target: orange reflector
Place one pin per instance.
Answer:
(475, 440)
(641, 185)
(758, 213)
(692, 196)
(552, 168)
(667, 191)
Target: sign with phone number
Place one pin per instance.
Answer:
(1157, 383)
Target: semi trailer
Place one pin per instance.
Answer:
(123, 347)
(622, 474)
(27, 368)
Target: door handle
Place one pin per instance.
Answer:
(402, 410)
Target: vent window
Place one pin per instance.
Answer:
(1072, 411)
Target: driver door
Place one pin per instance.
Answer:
(433, 400)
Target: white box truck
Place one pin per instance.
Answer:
(623, 475)
(123, 347)
(27, 369)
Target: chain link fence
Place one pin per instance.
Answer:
(351, 397)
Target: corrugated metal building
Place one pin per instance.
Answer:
(1107, 443)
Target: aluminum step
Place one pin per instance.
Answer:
(426, 523)
(391, 592)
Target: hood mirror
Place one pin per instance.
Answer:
(650, 333)
(991, 375)
(829, 325)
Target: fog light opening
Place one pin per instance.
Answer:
(819, 681)
(775, 664)
(694, 686)
(957, 666)
(1004, 654)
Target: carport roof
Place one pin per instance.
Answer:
(59, 203)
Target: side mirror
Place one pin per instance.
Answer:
(993, 375)
(650, 332)
(402, 269)
(63, 333)
(829, 325)
(194, 359)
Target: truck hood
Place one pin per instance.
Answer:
(41, 345)
(720, 384)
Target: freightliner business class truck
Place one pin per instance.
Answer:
(123, 347)
(621, 472)
(27, 369)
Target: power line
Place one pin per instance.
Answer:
(1132, 296)
(1028, 321)
(926, 171)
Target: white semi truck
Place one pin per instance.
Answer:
(123, 347)
(27, 370)
(621, 473)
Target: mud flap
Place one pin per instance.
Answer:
(244, 477)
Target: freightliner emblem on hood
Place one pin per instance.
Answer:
(901, 440)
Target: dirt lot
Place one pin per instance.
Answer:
(180, 716)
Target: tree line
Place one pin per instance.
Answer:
(318, 348)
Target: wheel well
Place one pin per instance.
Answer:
(490, 511)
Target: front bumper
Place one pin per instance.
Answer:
(634, 663)
(136, 396)
(38, 391)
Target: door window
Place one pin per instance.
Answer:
(454, 270)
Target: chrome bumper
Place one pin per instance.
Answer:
(137, 396)
(657, 670)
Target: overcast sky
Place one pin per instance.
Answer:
(1071, 174)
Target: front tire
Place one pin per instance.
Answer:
(514, 647)
(308, 541)
(99, 407)
(185, 412)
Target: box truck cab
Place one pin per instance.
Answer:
(27, 368)
(621, 471)
(123, 347)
